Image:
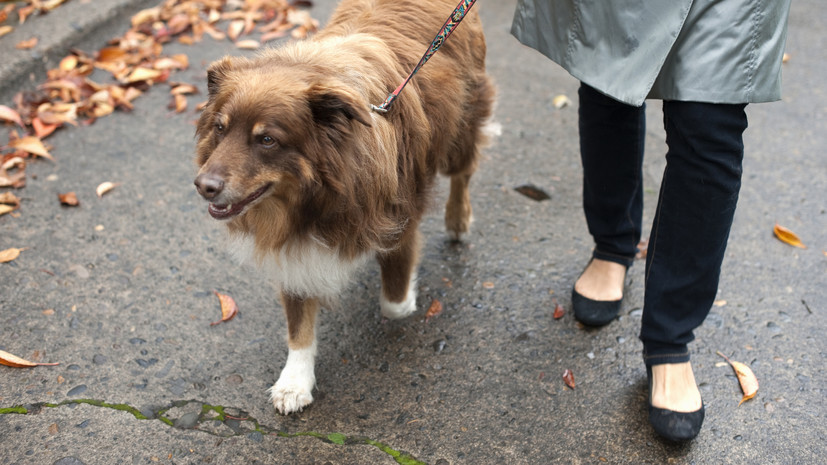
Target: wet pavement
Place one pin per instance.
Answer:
(120, 292)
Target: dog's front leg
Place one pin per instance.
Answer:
(292, 392)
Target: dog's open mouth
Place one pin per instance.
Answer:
(223, 212)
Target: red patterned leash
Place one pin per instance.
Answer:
(450, 24)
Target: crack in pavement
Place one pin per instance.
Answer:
(216, 420)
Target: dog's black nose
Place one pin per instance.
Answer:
(209, 185)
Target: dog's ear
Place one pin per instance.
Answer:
(216, 74)
(331, 104)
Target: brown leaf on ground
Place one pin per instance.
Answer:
(142, 74)
(41, 129)
(68, 63)
(4, 12)
(178, 103)
(69, 199)
(568, 378)
(24, 13)
(27, 44)
(104, 187)
(558, 310)
(7, 114)
(15, 179)
(17, 362)
(5, 30)
(788, 237)
(10, 254)
(642, 247)
(249, 44)
(235, 29)
(433, 310)
(746, 378)
(111, 54)
(229, 309)
(183, 89)
(31, 144)
(8, 198)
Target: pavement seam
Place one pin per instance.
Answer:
(221, 416)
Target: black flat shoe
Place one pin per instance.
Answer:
(671, 425)
(594, 312)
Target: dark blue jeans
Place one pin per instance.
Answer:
(694, 214)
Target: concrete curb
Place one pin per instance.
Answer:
(75, 24)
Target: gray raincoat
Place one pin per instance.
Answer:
(717, 51)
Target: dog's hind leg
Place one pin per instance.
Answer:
(464, 155)
(292, 391)
(458, 212)
(398, 267)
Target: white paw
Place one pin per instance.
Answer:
(292, 392)
(395, 311)
(290, 397)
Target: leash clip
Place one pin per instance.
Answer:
(378, 109)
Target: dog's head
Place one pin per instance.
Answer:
(271, 132)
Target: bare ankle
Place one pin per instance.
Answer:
(674, 388)
(602, 280)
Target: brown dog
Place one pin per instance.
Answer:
(312, 183)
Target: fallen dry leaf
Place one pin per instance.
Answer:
(5, 30)
(17, 362)
(558, 310)
(568, 378)
(229, 309)
(17, 179)
(642, 248)
(70, 199)
(560, 101)
(179, 103)
(433, 310)
(488, 285)
(68, 63)
(235, 29)
(787, 236)
(31, 144)
(747, 379)
(10, 254)
(249, 44)
(8, 114)
(142, 74)
(533, 192)
(41, 129)
(26, 44)
(6, 209)
(183, 89)
(104, 187)
(8, 198)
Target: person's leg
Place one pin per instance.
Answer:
(689, 234)
(611, 149)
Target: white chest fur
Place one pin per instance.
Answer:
(310, 269)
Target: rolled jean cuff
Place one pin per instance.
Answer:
(615, 258)
(657, 354)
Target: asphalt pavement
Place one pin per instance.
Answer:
(120, 291)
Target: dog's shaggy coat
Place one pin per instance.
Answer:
(312, 183)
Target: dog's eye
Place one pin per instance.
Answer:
(267, 141)
(219, 128)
